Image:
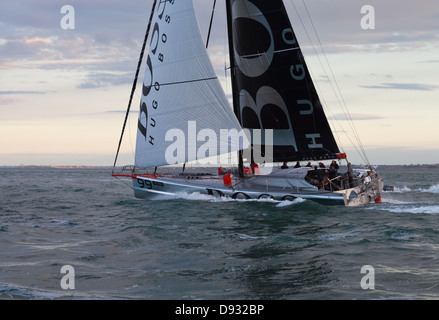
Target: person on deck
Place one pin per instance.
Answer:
(284, 166)
(333, 170)
(350, 175)
(309, 165)
(297, 165)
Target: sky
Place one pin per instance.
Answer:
(64, 92)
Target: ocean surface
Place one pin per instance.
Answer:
(199, 247)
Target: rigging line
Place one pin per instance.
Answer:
(318, 89)
(135, 81)
(210, 25)
(330, 82)
(132, 141)
(335, 119)
(227, 79)
(129, 186)
(130, 134)
(338, 88)
(311, 73)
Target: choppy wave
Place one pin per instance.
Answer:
(9, 291)
(402, 189)
(396, 206)
(394, 201)
(196, 246)
(431, 189)
(243, 236)
(339, 236)
(412, 200)
(416, 209)
(287, 203)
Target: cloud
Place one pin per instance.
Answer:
(21, 92)
(107, 32)
(8, 101)
(65, 53)
(110, 33)
(404, 86)
(99, 79)
(389, 155)
(354, 116)
(399, 26)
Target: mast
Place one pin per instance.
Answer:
(235, 94)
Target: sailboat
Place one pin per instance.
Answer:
(276, 115)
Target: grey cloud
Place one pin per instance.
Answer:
(98, 80)
(404, 86)
(354, 116)
(21, 92)
(399, 25)
(105, 30)
(111, 31)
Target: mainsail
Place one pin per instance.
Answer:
(184, 111)
(271, 82)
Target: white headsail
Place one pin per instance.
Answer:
(183, 108)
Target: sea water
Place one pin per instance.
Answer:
(200, 247)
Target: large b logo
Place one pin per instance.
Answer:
(249, 59)
(261, 106)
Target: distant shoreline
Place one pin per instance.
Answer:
(385, 167)
(409, 167)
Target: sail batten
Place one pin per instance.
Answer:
(187, 81)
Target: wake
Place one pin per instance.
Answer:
(196, 196)
(432, 189)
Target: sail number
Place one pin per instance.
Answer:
(144, 184)
(148, 184)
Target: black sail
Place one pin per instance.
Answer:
(271, 83)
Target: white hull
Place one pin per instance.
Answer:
(280, 185)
